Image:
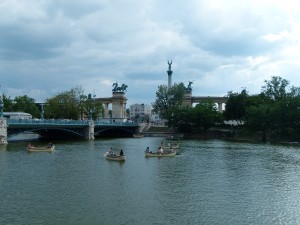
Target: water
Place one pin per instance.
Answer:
(209, 182)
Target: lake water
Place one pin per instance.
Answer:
(209, 182)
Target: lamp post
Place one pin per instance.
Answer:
(42, 111)
(94, 109)
(1, 107)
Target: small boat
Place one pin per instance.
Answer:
(157, 154)
(31, 148)
(138, 135)
(110, 155)
(115, 157)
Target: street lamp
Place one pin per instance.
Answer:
(1, 107)
(42, 111)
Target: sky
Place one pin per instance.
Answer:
(51, 46)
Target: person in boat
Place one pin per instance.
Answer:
(30, 145)
(171, 149)
(110, 151)
(49, 145)
(121, 152)
(147, 150)
(160, 150)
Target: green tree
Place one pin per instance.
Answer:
(8, 103)
(259, 118)
(168, 100)
(205, 115)
(65, 105)
(182, 119)
(236, 105)
(73, 104)
(26, 104)
(276, 88)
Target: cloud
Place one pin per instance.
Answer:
(48, 47)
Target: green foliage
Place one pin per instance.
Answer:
(205, 115)
(182, 119)
(26, 104)
(202, 117)
(275, 89)
(235, 108)
(168, 100)
(72, 104)
(8, 103)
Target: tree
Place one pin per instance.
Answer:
(72, 104)
(259, 118)
(26, 104)
(235, 108)
(205, 115)
(168, 100)
(182, 119)
(275, 89)
(8, 103)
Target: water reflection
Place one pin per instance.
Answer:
(210, 182)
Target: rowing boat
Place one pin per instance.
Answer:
(40, 149)
(157, 154)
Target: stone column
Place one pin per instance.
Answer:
(169, 78)
(118, 106)
(89, 131)
(220, 107)
(106, 111)
(3, 131)
(187, 99)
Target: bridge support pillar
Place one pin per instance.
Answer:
(3, 131)
(89, 131)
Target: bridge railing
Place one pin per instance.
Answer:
(115, 123)
(46, 122)
(65, 122)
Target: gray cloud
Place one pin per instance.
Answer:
(52, 46)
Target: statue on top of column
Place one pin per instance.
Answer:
(169, 63)
(189, 87)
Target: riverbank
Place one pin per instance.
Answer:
(230, 134)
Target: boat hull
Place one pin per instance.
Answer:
(155, 154)
(41, 149)
(116, 157)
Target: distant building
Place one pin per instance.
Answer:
(140, 112)
(17, 115)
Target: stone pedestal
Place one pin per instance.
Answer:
(3, 131)
(119, 106)
(187, 99)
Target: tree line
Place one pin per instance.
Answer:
(72, 104)
(275, 110)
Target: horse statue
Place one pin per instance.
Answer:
(115, 85)
(189, 87)
(119, 89)
(122, 88)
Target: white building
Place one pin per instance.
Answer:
(140, 110)
(17, 115)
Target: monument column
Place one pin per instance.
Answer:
(118, 106)
(169, 75)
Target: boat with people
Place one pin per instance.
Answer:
(49, 148)
(110, 155)
(160, 153)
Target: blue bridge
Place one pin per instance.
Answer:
(61, 129)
